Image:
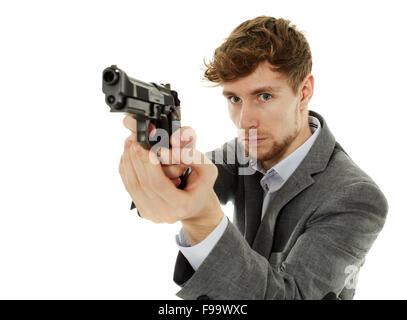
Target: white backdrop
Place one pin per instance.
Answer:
(66, 231)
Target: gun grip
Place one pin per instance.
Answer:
(142, 131)
(184, 179)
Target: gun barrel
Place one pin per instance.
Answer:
(146, 101)
(118, 87)
(110, 76)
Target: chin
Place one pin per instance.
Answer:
(267, 152)
(260, 156)
(258, 153)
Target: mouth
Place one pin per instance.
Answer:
(254, 141)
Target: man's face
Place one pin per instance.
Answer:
(275, 113)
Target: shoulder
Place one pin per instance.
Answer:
(345, 187)
(341, 170)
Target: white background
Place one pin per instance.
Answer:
(66, 231)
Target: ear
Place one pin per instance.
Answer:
(306, 91)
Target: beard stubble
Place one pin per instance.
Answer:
(278, 148)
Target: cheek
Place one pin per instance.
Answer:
(272, 120)
(234, 114)
(275, 122)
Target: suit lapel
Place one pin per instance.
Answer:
(263, 241)
(315, 161)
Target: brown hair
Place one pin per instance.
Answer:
(257, 40)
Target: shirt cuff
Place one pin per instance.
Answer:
(198, 253)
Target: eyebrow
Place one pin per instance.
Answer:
(254, 92)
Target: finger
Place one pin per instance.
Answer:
(171, 168)
(127, 171)
(165, 155)
(201, 179)
(131, 124)
(174, 171)
(150, 173)
(130, 139)
(132, 184)
(184, 136)
(176, 181)
(145, 202)
(151, 130)
(203, 169)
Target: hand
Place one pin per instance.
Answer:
(157, 198)
(184, 137)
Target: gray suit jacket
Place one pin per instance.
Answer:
(311, 241)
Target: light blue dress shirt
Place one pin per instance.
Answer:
(271, 182)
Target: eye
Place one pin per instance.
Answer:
(266, 96)
(231, 98)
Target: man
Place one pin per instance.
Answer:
(305, 215)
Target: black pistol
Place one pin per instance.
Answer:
(147, 102)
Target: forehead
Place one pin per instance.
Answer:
(262, 76)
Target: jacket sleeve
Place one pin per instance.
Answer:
(336, 239)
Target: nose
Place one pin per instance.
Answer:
(248, 117)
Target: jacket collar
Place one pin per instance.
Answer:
(259, 233)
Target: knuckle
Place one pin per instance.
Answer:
(125, 121)
(190, 132)
(164, 155)
(130, 123)
(130, 138)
